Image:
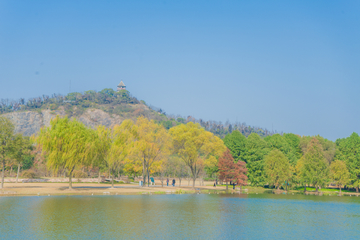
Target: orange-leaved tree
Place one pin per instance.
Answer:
(231, 171)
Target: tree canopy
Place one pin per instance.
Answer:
(67, 144)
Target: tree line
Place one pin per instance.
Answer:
(141, 147)
(289, 160)
(146, 148)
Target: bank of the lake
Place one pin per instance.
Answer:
(81, 188)
(186, 216)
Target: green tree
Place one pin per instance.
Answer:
(339, 173)
(315, 167)
(288, 144)
(348, 150)
(256, 149)
(277, 168)
(67, 144)
(328, 146)
(236, 143)
(22, 147)
(6, 143)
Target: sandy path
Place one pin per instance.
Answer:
(85, 189)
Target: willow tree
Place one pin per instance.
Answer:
(67, 144)
(6, 143)
(152, 144)
(196, 147)
(122, 140)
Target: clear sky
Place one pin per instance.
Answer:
(293, 65)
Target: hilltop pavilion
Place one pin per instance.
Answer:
(121, 86)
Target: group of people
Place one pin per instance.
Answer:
(231, 183)
(173, 182)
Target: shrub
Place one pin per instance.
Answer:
(29, 174)
(79, 174)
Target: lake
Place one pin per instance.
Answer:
(187, 216)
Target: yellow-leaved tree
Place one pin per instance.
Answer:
(123, 141)
(153, 144)
(112, 146)
(196, 147)
(67, 144)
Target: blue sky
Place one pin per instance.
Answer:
(293, 65)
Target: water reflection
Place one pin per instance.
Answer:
(180, 217)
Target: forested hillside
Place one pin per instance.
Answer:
(106, 107)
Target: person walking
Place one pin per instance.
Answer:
(167, 182)
(152, 181)
(173, 182)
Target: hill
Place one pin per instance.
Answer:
(106, 107)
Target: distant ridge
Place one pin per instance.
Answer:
(106, 107)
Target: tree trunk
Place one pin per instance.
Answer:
(240, 189)
(194, 179)
(340, 189)
(357, 189)
(317, 190)
(305, 188)
(2, 174)
(144, 174)
(10, 171)
(278, 187)
(112, 180)
(70, 179)
(18, 171)
(227, 185)
(99, 177)
(148, 175)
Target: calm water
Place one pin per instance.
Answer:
(180, 217)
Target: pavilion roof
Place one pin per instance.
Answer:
(121, 84)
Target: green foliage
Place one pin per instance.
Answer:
(315, 168)
(256, 149)
(7, 143)
(339, 173)
(277, 168)
(348, 150)
(28, 162)
(236, 143)
(79, 174)
(327, 146)
(288, 144)
(67, 144)
(29, 174)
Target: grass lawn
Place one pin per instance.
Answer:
(322, 189)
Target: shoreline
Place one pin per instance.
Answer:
(86, 189)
